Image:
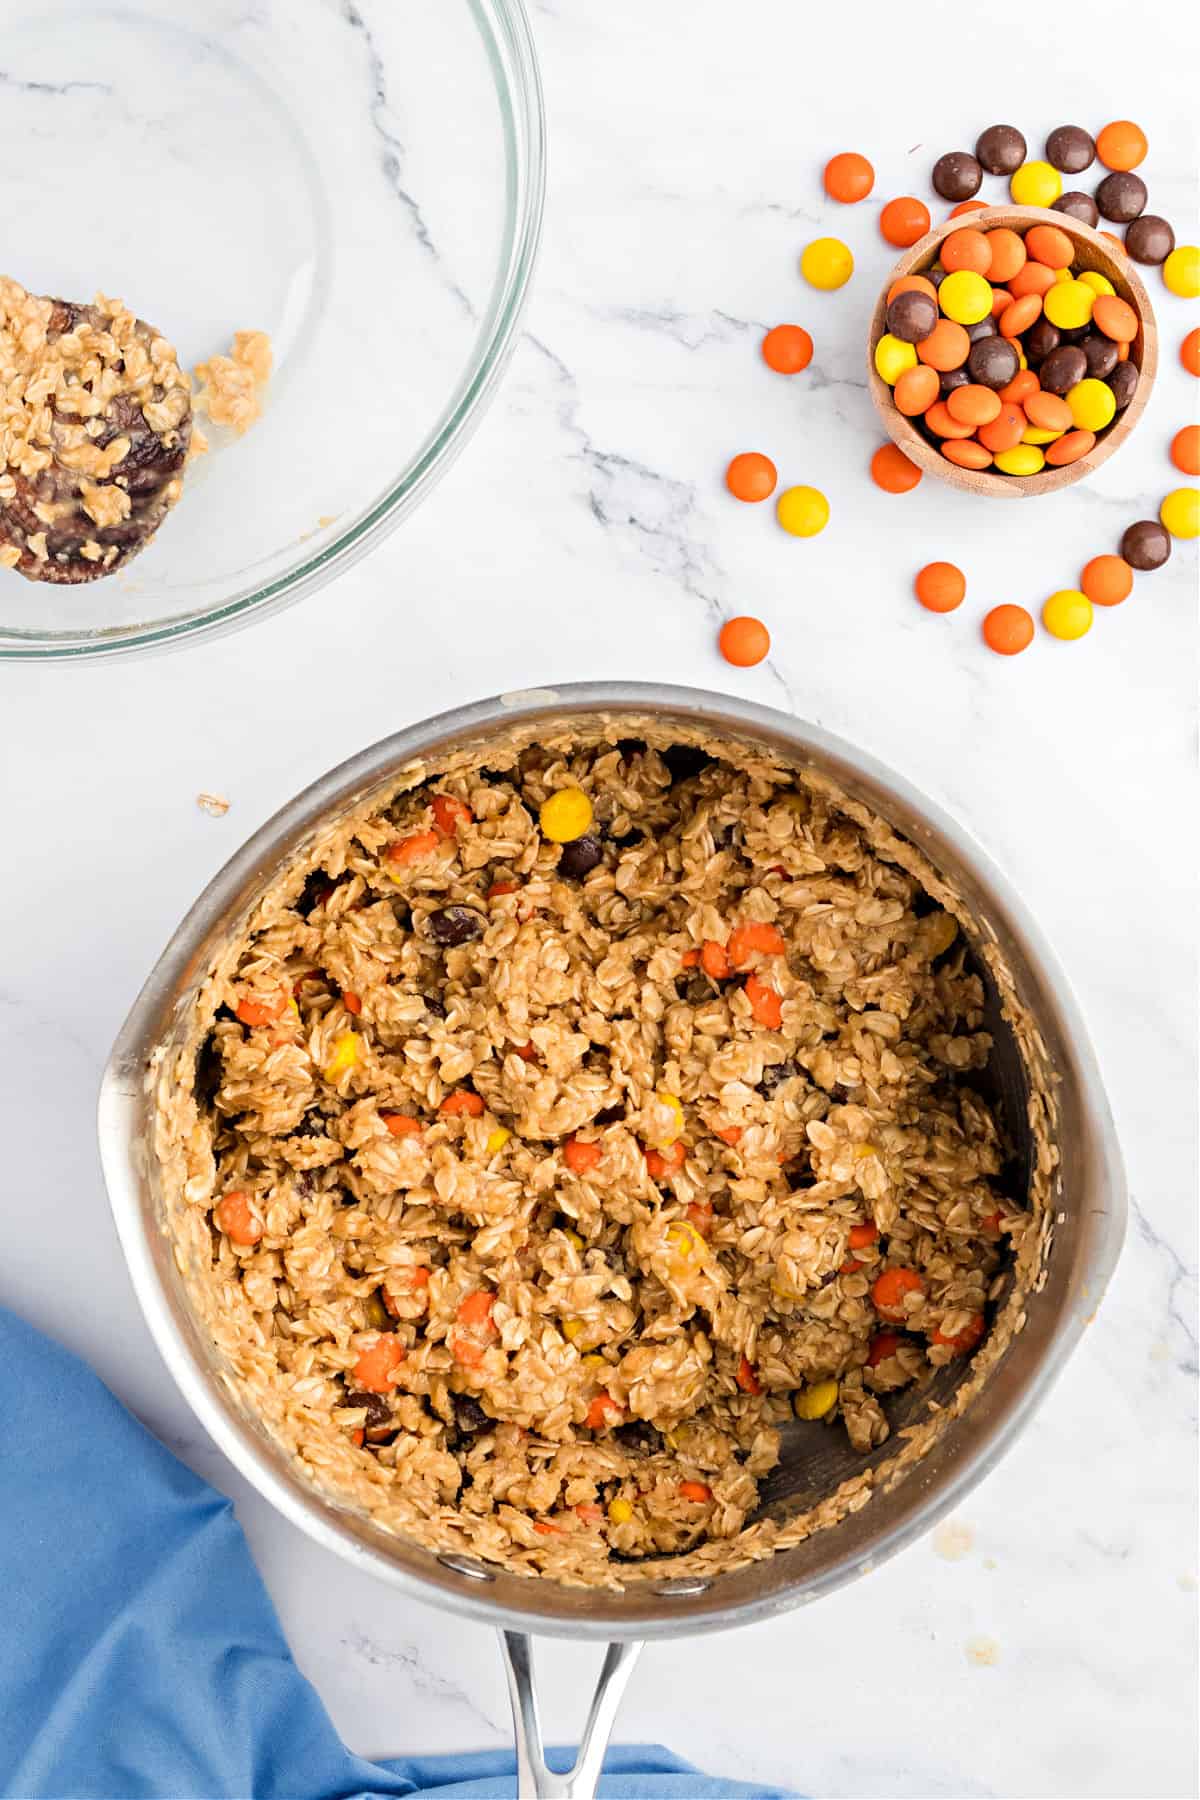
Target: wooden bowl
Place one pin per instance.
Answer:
(1091, 252)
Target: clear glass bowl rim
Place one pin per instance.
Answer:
(508, 40)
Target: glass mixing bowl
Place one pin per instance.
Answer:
(361, 179)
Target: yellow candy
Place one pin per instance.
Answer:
(1061, 275)
(573, 1237)
(1070, 305)
(565, 816)
(1099, 284)
(1180, 512)
(620, 1512)
(802, 511)
(965, 297)
(1092, 403)
(1037, 434)
(815, 1401)
(1035, 184)
(1022, 459)
(893, 356)
(827, 263)
(572, 1329)
(594, 1361)
(345, 1055)
(1181, 271)
(686, 1242)
(668, 1133)
(1067, 614)
(497, 1139)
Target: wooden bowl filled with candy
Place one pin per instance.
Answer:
(1012, 350)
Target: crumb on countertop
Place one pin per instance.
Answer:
(215, 805)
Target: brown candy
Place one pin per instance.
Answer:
(957, 176)
(1121, 196)
(1146, 545)
(1071, 149)
(1102, 355)
(1041, 338)
(912, 316)
(1001, 149)
(952, 378)
(1150, 239)
(1078, 205)
(1063, 369)
(993, 361)
(1123, 382)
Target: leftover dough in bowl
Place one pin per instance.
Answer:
(584, 1126)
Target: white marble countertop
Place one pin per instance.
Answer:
(585, 532)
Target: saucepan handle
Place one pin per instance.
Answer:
(534, 1780)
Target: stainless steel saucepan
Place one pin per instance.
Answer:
(1090, 1215)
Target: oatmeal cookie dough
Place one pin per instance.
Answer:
(95, 422)
(574, 1121)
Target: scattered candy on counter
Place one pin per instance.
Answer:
(1067, 614)
(1033, 355)
(802, 511)
(848, 177)
(1008, 630)
(893, 471)
(1185, 450)
(903, 221)
(827, 263)
(1010, 355)
(1180, 512)
(787, 349)
(751, 476)
(940, 587)
(744, 642)
(1181, 271)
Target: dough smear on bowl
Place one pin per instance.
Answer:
(577, 1118)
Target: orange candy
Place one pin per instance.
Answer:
(892, 471)
(1115, 318)
(1121, 145)
(916, 390)
(967, 206)
(1008, 630)
(1107, 580)
(848, 177)
(966, 249)
(787, 349)
(744, 641)
(1030, 278)
(940, 587)
(972, 404)
(1048, 245)
(1020, 315)
(967, 453)
(904, 220)
(911, 284)
(942, 422)
(1115, 241)
(1070, 448)
(1006, 430)
(1189, 351)
(751, 476)
(1185, 448)
(946, 346)
(1023, 383)
(1001, 298)
(1048, 412)
(1008, 253)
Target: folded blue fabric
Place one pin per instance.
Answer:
(140, 1657)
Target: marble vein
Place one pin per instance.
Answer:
(393, 152)
(408, 1661)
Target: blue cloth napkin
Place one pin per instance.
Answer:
(140, 1658)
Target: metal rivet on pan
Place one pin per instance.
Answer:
(467, 1565)
(682, 1587)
